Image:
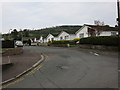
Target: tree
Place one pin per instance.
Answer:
(26, 33)
(99, 23)
(15, 34)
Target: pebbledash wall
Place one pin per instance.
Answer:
(13, 51)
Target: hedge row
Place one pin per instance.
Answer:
(72, 42)
(101, 40)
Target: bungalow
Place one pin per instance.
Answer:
(40, 39)
(84, 31)
(94, 30)
(50, 37)
(66, 36)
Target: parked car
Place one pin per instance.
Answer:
(19, 43)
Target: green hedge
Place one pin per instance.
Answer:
(101, 40)
(63, 42)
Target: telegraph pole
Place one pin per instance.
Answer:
(118, 7)
(118, 20)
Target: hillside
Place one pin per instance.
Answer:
(43, 32)
(53, 30)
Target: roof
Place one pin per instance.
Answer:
(103, 28)
(72, 31)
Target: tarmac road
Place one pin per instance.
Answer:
(70, 68)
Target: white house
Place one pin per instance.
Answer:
(35, 39)
(66, 36)
(94, 30)
(40, 39)
(82, 32)
(50, 37)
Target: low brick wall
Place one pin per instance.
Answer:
(13, 51)
(99, 47)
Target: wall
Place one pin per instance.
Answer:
(50, 36)
(72, 36)
(106, 33)
(63, 34)
(13, 51)
(83, 30)
(55, 38)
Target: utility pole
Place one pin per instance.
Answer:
(118, 20)
(118, 8)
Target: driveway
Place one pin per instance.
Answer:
(71, 68)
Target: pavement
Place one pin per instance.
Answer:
(16, 64)
(72, 68)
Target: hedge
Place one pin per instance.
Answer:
(100, 40)
(61, 42)
(72, 42)
(8, 44)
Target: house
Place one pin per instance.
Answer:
(95, 30)
(66, 36)
(51, 37)
(84, 31)
(40, 40)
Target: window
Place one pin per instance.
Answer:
(81, 35)
(113, 33)
(52, 39)
(61, 38)
(66, 37)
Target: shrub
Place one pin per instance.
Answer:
(76, 39)
(61, 42)
(100, 40)
(49, 43)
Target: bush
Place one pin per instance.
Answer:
(76, 39)
(100, 40)
(8, 44)
(49, 43)
(61, 42)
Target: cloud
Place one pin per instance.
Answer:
(46, 14)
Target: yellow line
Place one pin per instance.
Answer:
(18, 80)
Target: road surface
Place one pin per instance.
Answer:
(69, 68)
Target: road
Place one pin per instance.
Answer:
(71, 68)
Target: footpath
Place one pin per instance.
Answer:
(19, 63)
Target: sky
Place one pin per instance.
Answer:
(37, 15)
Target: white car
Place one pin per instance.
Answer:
(19, 43)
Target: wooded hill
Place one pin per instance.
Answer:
(15, 34)
(53, 30)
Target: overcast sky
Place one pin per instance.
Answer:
(47, 14)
